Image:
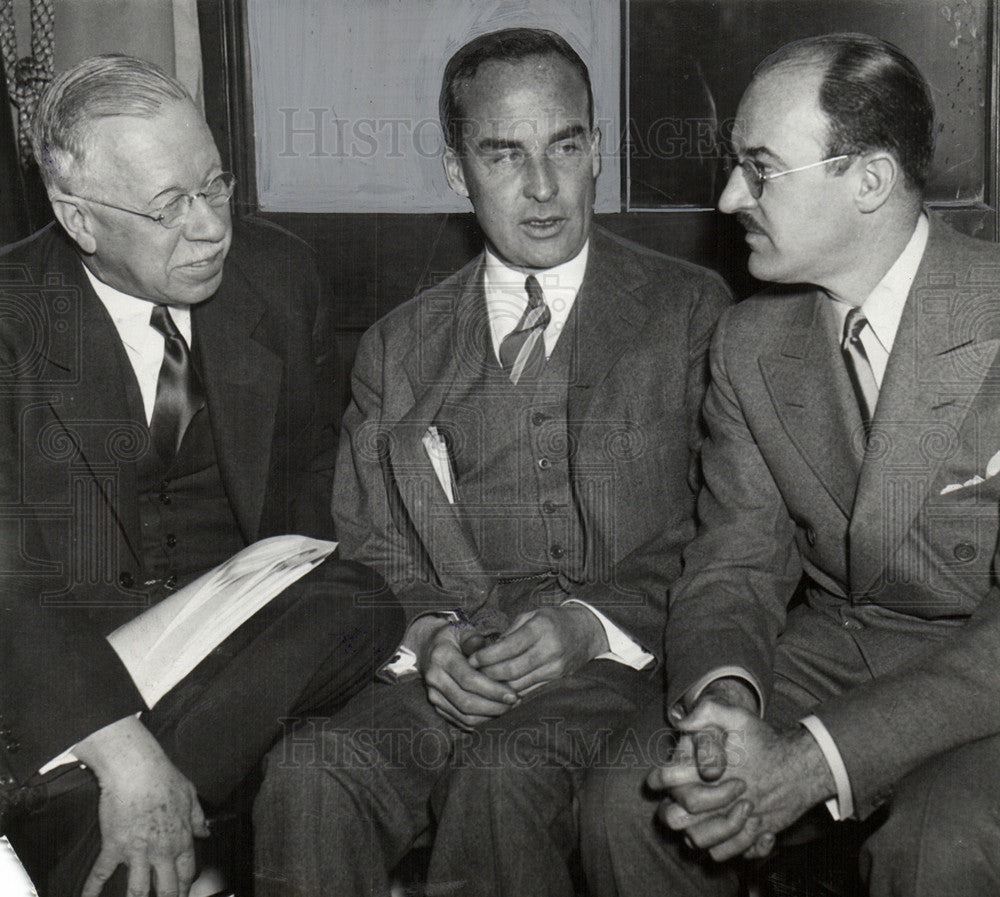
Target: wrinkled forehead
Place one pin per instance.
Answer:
(780, 112)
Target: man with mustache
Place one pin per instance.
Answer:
(516, 461)
(851, 455)
(165, 393)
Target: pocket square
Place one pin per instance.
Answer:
(992, 469)
(437, 452)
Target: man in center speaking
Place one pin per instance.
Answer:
(517, 461)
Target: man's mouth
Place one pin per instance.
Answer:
(207, 262)
(543, 227)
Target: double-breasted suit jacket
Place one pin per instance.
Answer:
(641, 326)
(896, 534)
(71, 432)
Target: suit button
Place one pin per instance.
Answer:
(549, 507)
(7, 780)
(964, 551)
(544, 463)
(557, 551)
(164, 498)
(171, 540)
(13, 746)
(810, 536)
(171, 581)
(125, 580)
(538, 418)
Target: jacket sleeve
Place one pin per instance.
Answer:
(945, 698)
(648, 570)
(740, 571)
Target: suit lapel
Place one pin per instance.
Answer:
(95, 416)
(933, 377)
(812, 397)
(242, 379)
(445, 347)
(606, 319)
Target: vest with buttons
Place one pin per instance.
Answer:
(511, 453)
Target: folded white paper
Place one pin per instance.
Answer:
(165, 643)
(437, 452)
(14, 881)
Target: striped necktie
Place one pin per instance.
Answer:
(522, 351)
(858, 367)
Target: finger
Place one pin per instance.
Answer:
(103, 867)
(708, 713)
(675, 775)
(544, 672)
(761, 848)
(696, 800)
(138, 875)
(186, 868)
(165, 879)
(721, 827)
(451, 713)
(710, 753)
(456, 677)
(199, 825)
(739, 843)
(510, 645)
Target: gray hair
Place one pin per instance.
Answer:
(98, 87)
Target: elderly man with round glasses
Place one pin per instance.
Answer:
(164, 381)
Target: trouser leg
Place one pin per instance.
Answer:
(942, 834)
(507, 814)
(344, 799)
(626, 851)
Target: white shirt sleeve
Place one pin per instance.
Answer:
(622, 647)
(841, 806)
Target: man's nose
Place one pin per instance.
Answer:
(205, 221)
(540, 179)
(736, 196)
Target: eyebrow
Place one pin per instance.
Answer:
(179, 190)
(495, 144)
(759, 153)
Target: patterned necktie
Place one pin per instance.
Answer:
(858, 367)
(178, 389)
(522, 351)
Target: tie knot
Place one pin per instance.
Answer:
(161, 321)
(853, 325)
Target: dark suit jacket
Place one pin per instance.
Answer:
(69, 441)
(643, 322)
(790, 489)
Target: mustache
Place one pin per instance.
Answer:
(748, 223)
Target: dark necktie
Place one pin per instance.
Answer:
(522, 351)
(858, 366)
(178, 390)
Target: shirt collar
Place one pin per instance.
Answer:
(884, 306)
(506, 298)
(130, 314)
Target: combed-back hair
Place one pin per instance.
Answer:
(508, 45)
(873, 95)
(98, 87)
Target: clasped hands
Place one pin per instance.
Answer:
(735, 781)
(469, 680)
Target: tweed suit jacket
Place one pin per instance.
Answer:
(643, 323)
(901, 530)
(70, 439)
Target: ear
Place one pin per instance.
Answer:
(75, 221)
(454, 172)
(879, 175)
(595, 151)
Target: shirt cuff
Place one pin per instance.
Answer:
(694, 692)
(622, 648)
(841, 806)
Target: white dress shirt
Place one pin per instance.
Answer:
(143, 344)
